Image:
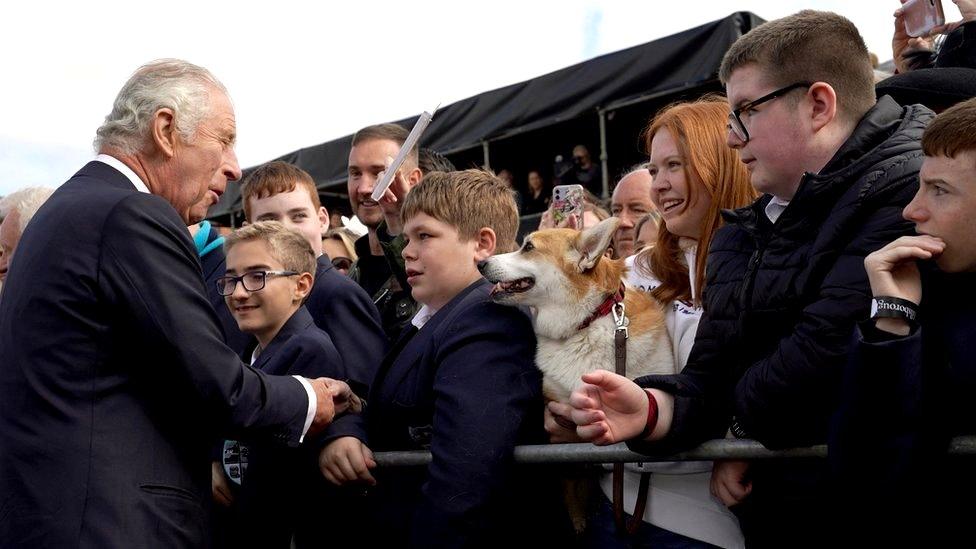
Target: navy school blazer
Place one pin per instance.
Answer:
(343, 310)
(465, 386)
(281, 485)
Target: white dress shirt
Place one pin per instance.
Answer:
(775, 208)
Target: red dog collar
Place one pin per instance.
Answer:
(604, 308)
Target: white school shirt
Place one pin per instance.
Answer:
(679, 498)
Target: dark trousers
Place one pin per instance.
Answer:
(601, 532)
(790, 506)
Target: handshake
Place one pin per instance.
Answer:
(333, 397)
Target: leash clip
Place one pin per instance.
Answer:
(620, 319)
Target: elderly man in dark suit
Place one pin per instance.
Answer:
(114, 378)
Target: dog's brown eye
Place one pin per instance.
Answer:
(528, 247)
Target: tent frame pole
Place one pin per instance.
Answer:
(603, 152)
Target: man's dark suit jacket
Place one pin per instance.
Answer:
(280, 488)
(343, 310)
(114, 378)
(465, 386)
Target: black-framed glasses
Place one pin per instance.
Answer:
(252, 281)
(735, 123)
(342, 263)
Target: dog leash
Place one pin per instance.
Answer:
(620, 336)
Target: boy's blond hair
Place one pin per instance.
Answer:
(277, 177)
(467, 200)
(288, 247)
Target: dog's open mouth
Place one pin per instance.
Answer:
(513, 286)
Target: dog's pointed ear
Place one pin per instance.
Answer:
(592, 243)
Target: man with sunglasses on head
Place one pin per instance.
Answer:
(785, 278)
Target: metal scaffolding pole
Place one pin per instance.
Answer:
(486, 152)
(605, 170)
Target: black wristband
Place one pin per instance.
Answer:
(885, 306)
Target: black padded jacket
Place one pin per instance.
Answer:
(781, 299)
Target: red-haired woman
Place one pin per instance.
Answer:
(695, 176)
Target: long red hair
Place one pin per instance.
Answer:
(699, 130)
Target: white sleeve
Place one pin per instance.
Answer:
(312, 405)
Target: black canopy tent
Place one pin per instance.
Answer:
(603, 103)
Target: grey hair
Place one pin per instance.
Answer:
(642, 167)
(25, 202)
(165, 83)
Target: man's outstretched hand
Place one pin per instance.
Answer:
(332, 397)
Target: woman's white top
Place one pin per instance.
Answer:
(678, 499)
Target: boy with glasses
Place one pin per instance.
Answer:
(278, 191)
(270, 273)
(785, 277)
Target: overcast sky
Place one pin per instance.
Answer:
(301, 73)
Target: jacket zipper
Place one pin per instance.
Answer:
(745, 292)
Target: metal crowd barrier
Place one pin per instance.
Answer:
(619, 453)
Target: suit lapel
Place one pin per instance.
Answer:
(397, 365)
(407, 336)
(298, 322)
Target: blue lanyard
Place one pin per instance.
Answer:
(200, 240)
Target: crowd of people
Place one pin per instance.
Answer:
(807, 237)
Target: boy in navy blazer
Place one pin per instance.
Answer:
(270, 272)
(461, 382)
(278, 191)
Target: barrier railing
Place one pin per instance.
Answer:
(619, 453)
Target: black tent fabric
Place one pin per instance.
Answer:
(666, 66)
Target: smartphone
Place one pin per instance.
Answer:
(921, 16)
(567, 201)
(408, 145)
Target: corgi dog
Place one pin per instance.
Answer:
(574, 290)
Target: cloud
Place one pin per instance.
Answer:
(591, 32)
